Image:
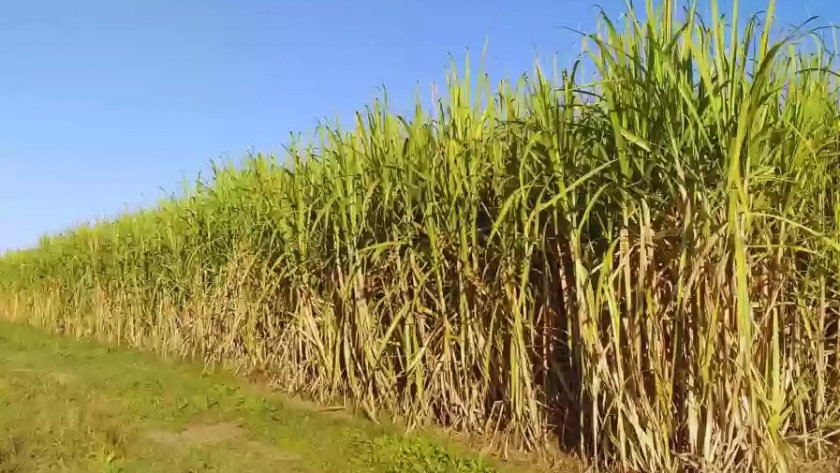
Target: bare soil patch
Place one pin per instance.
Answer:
(206, 434)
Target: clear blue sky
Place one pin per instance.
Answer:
(105, 102)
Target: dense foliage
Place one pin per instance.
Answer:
(645, 265)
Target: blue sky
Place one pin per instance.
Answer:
(103, 102)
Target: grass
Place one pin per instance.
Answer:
(67, 405)
(643, 264)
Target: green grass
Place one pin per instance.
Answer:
(67, 405)
(644, 263)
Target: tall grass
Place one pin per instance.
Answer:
(645, 265)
